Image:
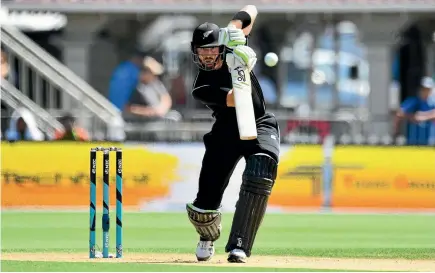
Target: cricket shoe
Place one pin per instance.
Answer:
(237, 256)
(204, 250)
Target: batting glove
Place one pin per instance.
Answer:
(242, 55)
(231, 37)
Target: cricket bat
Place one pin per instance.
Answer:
(242, 87)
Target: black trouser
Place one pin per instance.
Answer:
(224, 149)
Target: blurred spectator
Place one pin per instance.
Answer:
(151, 98)
(22, 126)
(178, 90)
(267, 86)
(269, 90)
(72, 131)
(4, 64)
(420, 111)
(6, 72)
(124, 80)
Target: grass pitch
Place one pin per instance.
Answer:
(60, 235)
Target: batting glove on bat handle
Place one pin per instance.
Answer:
(242, 55)
(231, 37)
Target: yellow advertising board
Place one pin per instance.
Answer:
(384, 177)
(57, 174)
(299, 180)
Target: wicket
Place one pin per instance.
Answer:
(106, 201)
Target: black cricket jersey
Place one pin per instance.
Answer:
(212, 87)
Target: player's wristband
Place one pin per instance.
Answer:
(244, 17)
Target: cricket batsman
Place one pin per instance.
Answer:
(213, 87)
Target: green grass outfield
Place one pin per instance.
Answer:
(26, 266)
(309, 235)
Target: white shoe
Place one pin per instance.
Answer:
(237, 256)
(204, 250)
